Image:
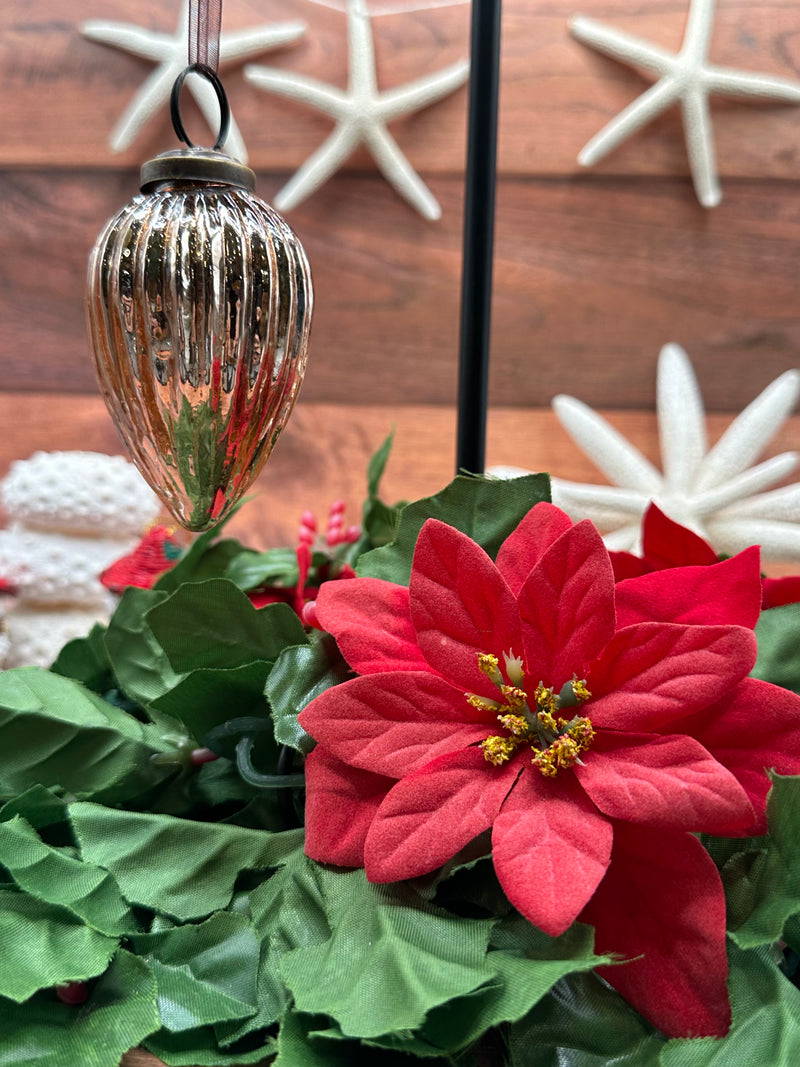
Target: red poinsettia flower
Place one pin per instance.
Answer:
(667, 544)
(156, 553)
(593, 733)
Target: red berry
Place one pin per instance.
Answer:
(73, 993)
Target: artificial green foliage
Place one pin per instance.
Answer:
(86, 661)
(139, 663)
(778, 634)
(484, 508)
(301, 673)
(207, 697)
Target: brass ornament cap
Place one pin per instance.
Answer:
(199, 310)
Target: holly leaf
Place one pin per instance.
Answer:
(584, 1023)
(180, 868)
(486, 509)
(205, 973)
(764, 887)
(53, 732)
(377, 933)
(205, 697)
(54, 877)
(45, 945)
(213, 624)
(778, 636)
(118, 1016)
(301, 673)
(766, 1020)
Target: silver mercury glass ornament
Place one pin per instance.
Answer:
(199, 310)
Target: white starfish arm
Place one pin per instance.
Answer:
(422, 92)
(623, 47)
(729, 82)
(699, 24)
(361, 49)
(624, 539)
(610, 500)
(782, 504)
(147, 101)
(241, 44)
(754, 480)
(314, 94)
(504, 471)
(130, 38)
(681, 420)
(319, 166)
(700, 146)
(207, 101)
(750, 432)
(396, 169)
(778, 540)
(637, 114)
(606, 447)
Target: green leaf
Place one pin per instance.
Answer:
(778, 635)
(39, 806)
(53, 877)
(200, 1048)
(526, 964)
(300, 1042)
(44, 945)
(584, 1023)
(119, 1015)
(766, 1020)
(180, 868)
(301, 673)
(86, 660)
(139, 662)
(207, 697)
(275, 566)
(377, 466)
(53, 732)
(485, 509)
(380, 932)
(205, 973)
(193, 564)
(213, 624)
(765, 886)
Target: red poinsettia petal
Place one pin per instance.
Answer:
(394, 723)
(727, 593)
(626, 565)
(567, 606)
(341, 802)
(428, 817)
(662, 906)
(461, 606)
(778, 591)
(652, 674)
(755, 729)
(371, 622)
(665, 543)
(663, 781)
(550, 848)
(543, 525)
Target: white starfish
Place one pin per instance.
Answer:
(170, 55)
(716, 492)
(686, 77)
(361, 114)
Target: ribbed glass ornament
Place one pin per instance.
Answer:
(199, 310)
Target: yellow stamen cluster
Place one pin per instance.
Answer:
(556, 742)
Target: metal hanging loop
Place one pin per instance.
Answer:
(222, 99)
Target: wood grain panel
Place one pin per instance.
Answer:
(323, 453)
(591, 278)
(555, 93)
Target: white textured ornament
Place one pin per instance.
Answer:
(170, 55)
(719, 492)
(686, 78)
(36, 636)
(85, 493)
(361, 113)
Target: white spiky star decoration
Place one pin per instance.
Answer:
(361, 112)
(720, 493)
(686, 78)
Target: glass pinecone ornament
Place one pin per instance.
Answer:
(199, 310)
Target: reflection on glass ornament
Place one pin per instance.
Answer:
(199, 310)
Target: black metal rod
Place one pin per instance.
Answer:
(479, 199)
